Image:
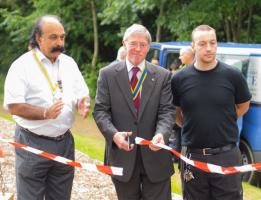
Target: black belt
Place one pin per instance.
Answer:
(57, 138)
(211, 151)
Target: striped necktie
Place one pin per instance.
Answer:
(133, 83)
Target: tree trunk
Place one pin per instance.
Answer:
(249, 22)
(233, 28)
(239, 18)
(95, 34)
(227, 29)
(161, 13)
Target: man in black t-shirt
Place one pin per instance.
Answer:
(209, 97)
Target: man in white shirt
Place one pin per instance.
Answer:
(43, 87)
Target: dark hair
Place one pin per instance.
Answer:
(37, 30)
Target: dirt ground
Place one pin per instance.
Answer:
(86, 126)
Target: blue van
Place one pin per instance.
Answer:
(247, 58)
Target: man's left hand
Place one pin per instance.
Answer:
(83, 106)
(158, 138)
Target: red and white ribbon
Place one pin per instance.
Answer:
(90, 167)
(207, 167)
(1, 155)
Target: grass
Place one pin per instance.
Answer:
(2, 80)
(175, 181)
(90, 145)
(7, 117)
(251, 192)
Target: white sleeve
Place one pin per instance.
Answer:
(15, 85)
(80, 87)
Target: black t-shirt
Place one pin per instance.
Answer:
(207, 100)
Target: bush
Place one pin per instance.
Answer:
(91, 75)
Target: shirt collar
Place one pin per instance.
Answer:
(130, 65)
(43, 58)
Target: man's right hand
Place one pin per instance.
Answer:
(55, 110)
(120, 139)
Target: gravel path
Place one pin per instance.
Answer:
(86, 186)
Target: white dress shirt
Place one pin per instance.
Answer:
(26, 83)
(130, 66)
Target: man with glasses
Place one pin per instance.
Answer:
(134, 99)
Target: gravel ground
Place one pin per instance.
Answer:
(86, 186)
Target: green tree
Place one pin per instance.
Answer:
(95, 34)
(95, 28)
(150, 13)
(235, 21)
(14, 31)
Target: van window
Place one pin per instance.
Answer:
(153, 54)
(172, 60)
(238, 61)
(253, 78)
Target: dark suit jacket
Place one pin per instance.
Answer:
(114, 111)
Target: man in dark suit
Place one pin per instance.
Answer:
(125, 109)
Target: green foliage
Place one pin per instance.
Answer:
(91, 75)
(14, 37)
(234, 21)
(229, 18)
(255, 37)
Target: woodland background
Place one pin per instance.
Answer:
(94, 28)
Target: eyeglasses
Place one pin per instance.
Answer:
(142, 45)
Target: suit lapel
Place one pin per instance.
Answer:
(123, 81)
(147, 88)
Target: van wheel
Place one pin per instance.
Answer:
(247, 158)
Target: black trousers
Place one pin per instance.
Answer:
(212, 186)
(38, 178)
(139, 187)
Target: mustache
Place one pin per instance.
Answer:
(58, 49)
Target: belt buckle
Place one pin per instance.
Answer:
(204, 152)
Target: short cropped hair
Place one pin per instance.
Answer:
(187, 49)
(202, 27)
(121, 55)
(137, 29)
(37, 29)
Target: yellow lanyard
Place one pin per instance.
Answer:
(138, 86)
(53, 88)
